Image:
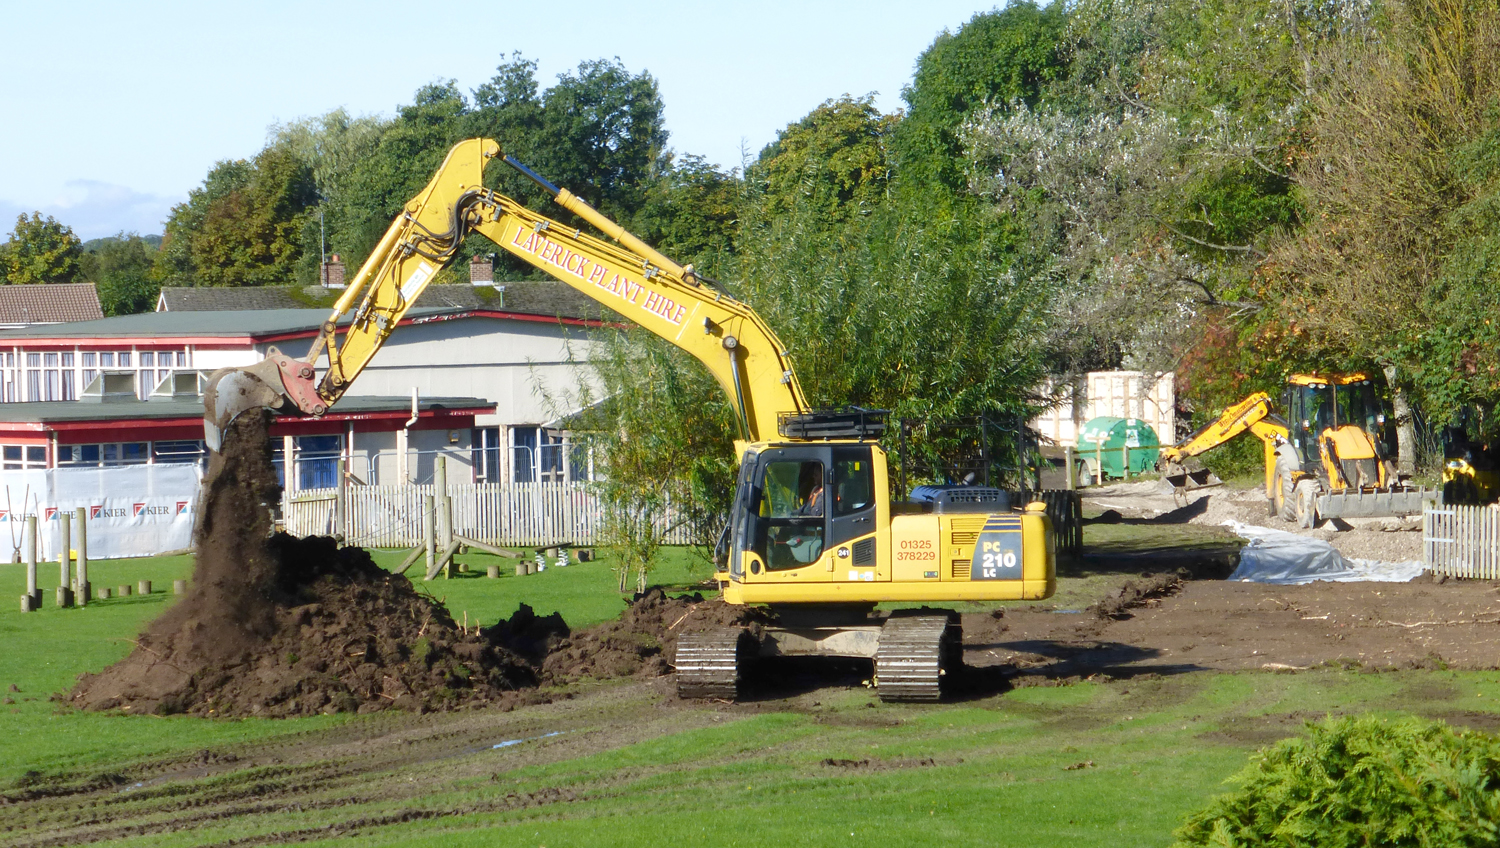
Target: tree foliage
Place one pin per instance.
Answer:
(1396, 266)
(123, 270)
(40, 250)
(832, 162)
(998, 57)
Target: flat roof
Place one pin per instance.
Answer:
(350, 406)
(237, 323)
(240, 324)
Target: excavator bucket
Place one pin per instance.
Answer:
(278, 383)
(1190, 475)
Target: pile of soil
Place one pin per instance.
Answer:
(279, 626)
(642, 640)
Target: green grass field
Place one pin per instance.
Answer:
(1104, 764)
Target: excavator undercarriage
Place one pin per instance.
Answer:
(914, 653)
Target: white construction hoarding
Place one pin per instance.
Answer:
(134, 510)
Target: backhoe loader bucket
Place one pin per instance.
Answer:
(278, 383)
(1188, 476)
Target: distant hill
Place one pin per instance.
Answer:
(93, 245)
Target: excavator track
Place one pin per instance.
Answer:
(709, 663)
(915, 654)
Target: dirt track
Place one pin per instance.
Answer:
(1208, 623)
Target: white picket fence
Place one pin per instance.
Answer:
(525, 515)
(1461, 541)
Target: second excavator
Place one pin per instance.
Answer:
(813, 533)
(1326, 459)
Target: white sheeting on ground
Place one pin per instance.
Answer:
(1276, 556)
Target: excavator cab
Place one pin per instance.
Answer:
(801, 506)
(1338, 426)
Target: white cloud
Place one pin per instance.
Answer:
(94, 208)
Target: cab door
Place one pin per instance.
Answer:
(787, 515)
(852, 509)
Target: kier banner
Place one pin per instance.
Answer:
(133, 510)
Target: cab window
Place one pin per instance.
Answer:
(792, 505)
(853, 485)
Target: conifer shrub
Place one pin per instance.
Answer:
(1360, 781)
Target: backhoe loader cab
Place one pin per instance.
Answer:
(1338, 426)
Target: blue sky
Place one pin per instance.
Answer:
(113, 111)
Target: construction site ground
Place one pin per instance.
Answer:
(1098, 717)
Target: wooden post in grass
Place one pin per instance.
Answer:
(33, 594)
(1099, 462)
(443, 503)
(65, 562)
(1125, 459)
(1068, 467)
(81, 586)
(339, 505)
(429, 541)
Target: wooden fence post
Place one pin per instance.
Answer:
(429, 531)
(64, 562)
(82, 579)
(339, 506)
(1068, 467)
(33, 600)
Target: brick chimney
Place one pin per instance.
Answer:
(482, 271)
(332, 276)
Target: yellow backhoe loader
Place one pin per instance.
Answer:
(1326, 459)
(813, 532)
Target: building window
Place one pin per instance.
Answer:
(106, 360)
(182, 452)
(69, 386)
(22, 457)
(33, 376)
(181, 359)
(127, 453)
(124, 359)
(74, 456)
(551, 456)
(318, 461)
(523, 459)
(486, 454)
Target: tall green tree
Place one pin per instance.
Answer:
(123, 270)
(997, 57)
(1398, 266)
(245, 226)
(40, 250)
(834, 162)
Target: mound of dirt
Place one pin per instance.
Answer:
(641, 641)
(1138, 593)
(279, 626)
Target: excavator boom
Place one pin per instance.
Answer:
(626, 275)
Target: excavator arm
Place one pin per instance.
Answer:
(1253, 414)
(625, 275)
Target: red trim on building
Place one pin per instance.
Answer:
(159, 342)
(116, 342)
(172, 429)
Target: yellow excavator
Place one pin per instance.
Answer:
(813, 532)
(1324, 460)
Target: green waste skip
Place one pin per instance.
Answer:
(1106, 441)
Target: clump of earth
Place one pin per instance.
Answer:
(279, 626)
